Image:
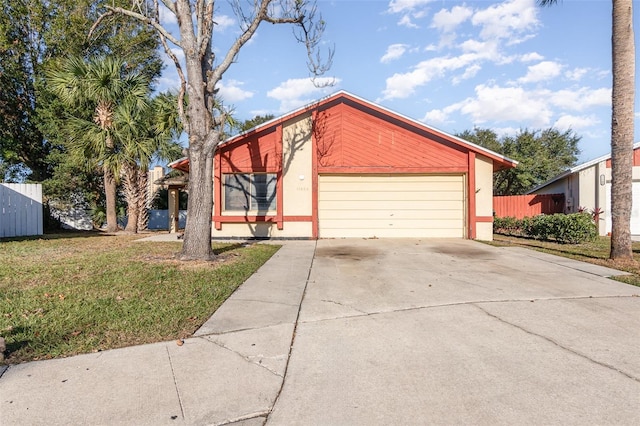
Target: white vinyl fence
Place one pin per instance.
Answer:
(20, 209)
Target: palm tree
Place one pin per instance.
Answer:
(145, 134)
(622, 125)
(101, 85)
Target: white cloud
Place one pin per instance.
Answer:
(507, 20)
(576, 73)
(403, 6)
(402, 85)
(531, 57)
(223, 22)
(448, 20)
(486, 49)
(297, 92)
(437, 117)
(542, 71)
(468, 73)
(179, 54)
(405, 21)
(575, 123)
(395, 51)
(580, 99)
(409, 9)
(496, 105)
(231, 91)
(499, 104)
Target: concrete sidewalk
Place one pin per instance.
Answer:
(231, 370)
(371, 332)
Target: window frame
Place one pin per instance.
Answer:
(249, 179)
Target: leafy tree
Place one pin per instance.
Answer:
(542, 154)
(21, 144)
(202, 121)
(106, 87)
(622, 125)
(33, 34)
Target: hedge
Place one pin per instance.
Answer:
(572, 228)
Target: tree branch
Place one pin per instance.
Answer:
(253, 23)
(140, 17)
(206, 29)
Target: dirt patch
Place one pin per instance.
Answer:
(347, 252)
(173, 259)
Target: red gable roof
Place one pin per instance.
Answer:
(361, 116)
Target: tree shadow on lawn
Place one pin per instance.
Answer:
(58, 235)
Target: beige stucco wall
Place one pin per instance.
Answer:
(297, 167)
(484, 196)
(296, 184)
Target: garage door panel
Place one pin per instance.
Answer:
(376, 187)
(393, 178)
(394, 196)
(394, 205)
(399, 233)
(383, 223)
(391, 214)
(391, 206)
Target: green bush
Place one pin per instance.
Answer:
(564, 228)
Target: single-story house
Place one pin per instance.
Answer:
(588, 186)
(346, 167)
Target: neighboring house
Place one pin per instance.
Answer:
(346, 167)
(152, 187)
(588, 186)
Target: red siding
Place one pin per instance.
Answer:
(351, 139)
(260, 152)
(520, 206)
(636, 158)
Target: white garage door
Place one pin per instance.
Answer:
(635, 209)
(388, 206)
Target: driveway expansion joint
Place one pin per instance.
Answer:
(247, 358)
(242, 418)
(175, 383)
(559, 345)
(345, 305)
(453, 304)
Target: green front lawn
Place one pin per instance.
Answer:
(596, 252)
(76, 293)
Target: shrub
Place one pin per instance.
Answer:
(564, 228)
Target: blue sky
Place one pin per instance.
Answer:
(454, 65)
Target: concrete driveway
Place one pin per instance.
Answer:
(370, 332)
(458, 332)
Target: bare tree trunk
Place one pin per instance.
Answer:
(197, 234)
(142, 201)
(110, 198)
(622, 128)
(204, 118)
(129, 183)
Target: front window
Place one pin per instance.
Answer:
(250, 192)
